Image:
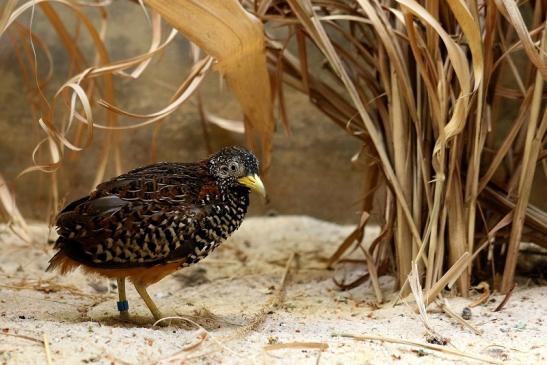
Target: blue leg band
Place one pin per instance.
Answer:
(123, 306)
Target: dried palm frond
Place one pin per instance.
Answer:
(69, 117)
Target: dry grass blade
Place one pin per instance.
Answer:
(16, 221)
(507, 141)
(185, 91)
(297, 345)
(449, 278)
(401, 153)
(505, 299)
(47, 351)
(534, 217)
(471, 29)
(235, 126)
(394, 52)
(355, 236)
(457, 226)
(414, 280)
(510, 9)
(9, 5)
(154, 46)
(534, 140)
(373, 271)
(443, 349)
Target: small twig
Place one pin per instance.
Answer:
(297, 345)
(46, 349)
(446, 308)
(22, 336)
(423, 345)
(506, 299)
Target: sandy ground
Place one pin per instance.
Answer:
(226, 294)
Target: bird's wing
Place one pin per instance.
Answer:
(168, 182)
(136, 219)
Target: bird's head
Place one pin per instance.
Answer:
(235, 166)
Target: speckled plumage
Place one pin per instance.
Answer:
(155, 219)
(162, 213)
(158, 214)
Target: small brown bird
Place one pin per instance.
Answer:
(153, 220)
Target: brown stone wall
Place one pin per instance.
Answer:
(311, 171)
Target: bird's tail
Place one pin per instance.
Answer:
(62, 263)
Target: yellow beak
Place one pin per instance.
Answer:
(253, 182)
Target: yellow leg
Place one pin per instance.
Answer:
(123, 305)
(149, 302)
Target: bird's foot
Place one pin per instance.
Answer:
(124, 316)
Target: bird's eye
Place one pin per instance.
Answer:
(233, 166)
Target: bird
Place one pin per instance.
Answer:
(151, 221)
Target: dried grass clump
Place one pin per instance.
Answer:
(430, 89)
(447, 99)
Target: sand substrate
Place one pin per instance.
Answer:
(230, 295)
